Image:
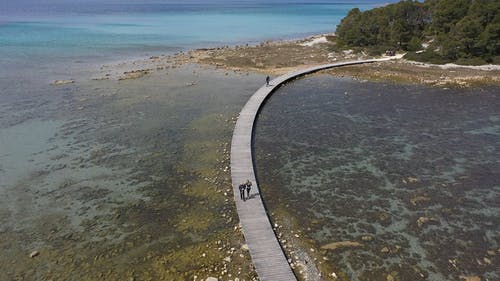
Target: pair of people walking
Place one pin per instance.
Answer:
(245, 186)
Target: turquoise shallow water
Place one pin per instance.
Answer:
(34, 32)
(411, 173)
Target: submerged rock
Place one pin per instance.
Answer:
(412, 179)
(134, 74)
(62, 82)
(367, 238)
(424, 220)
(34, 254)
(419, 199)
(342, 244)
(470, 278)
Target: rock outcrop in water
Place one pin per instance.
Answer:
(62, 82)
(342, 244)
(421, 221)
(34, 254)
(134, 74)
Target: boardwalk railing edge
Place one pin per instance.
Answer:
(265, 250)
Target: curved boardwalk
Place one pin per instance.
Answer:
(267, 255)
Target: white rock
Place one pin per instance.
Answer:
(244, 247)
(314, 41)
(62, 82)
(227, 259)
(34, 254)
(212, 279)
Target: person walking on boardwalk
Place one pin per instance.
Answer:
(242, 191)
(267, 80)
(248, 184)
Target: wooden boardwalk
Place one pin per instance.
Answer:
(267, 256)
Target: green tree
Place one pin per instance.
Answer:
(415, 44)
(393, 25)
(446, 13)
(349, 28)
(489, 42)
(460, 30)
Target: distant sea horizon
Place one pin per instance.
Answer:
(42, 36)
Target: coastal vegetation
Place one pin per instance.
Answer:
(278, 58)
(437, 31)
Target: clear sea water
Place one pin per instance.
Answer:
(352, 159)
(410, 172)
(34, 33)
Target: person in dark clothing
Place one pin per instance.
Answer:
(242, 191)
(248, 184)
(267, 80)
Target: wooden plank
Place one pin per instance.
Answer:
(267, 255)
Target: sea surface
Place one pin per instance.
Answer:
(411, 173)
(66, 36)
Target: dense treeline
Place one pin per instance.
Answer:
(463, 31)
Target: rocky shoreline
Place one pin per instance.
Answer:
(279, 57)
